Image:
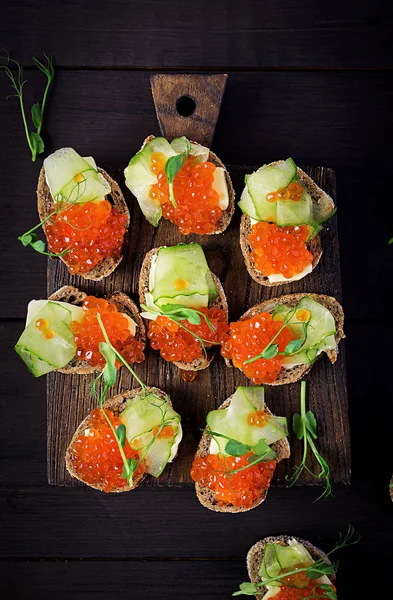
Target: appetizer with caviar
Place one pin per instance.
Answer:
(127, 437)
(63, 333)
(238, 452)
(183, 182)
(185, 304)
(83, 214)
(284, 210)
(278, 341)
(288, 568)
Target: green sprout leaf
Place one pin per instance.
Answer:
(121, 434)
(297, 426)
(261, 448)
(235, 448)
(246, 589)
(270, 351)
(36, 116)
(37, 142)
(109, 372)
(129, 468)
(293, 346)
(311, 423)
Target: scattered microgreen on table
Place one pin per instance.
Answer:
(34, 139)
(305, 428)
(173, 166)
(315, 571)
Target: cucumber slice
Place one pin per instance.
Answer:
(277, 557)
(187, 263)
(35, 306)
(57, 351)
(140, 419)
(247, 205)
(232, 421)
(320, 333)
(61, 169)
(139, 177)
(201, 153)
(267, 179)
(295, 213)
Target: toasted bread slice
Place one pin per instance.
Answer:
(256, 552)
(219, 302)
(45, 205)
(116, 404)
(124, 304)
(206, 496)
(319, 198)
(226, 216)
(299, 371)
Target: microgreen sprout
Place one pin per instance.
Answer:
(16, 77)
(173, 166)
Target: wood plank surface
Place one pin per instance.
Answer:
(147, 34)
(68, 396)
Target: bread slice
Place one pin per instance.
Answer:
(124, 304)
(206, 496)
(45, 205)
(116, 404)
(219, 302)
(256, 552)
(299, 371)
(314, 246)
(226, 216)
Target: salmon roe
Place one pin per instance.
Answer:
(279, 249)
(95, 453)
(88, 334)
(293, 192)
(248, 338)
(239, 489)
(92, 231)
(166, 432)
(293, 593)
(177, 344)
(197, 202)
(257, 419)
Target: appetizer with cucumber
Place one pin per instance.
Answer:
(238, 452)
(83, 214)
(278, 341)
(183, 182)
(64, 333)
(129, 436)
(284, 211)
(185, 304)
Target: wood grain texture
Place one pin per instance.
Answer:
(68, 397)
(205, 90)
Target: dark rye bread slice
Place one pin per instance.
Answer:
(124, 304)
(226, 216)
(314, 246)
(219, 302)
(295, 373)
(256, 552)
(206, 496)
(46, 205)
(117, 405)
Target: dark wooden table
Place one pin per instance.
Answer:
(308, 79)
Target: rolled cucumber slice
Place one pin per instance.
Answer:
(35, 306)
(181, 275)
(74, 179)
(295, 213)
(55, 352)
(140, 419)
(232, 421)
(320, 332)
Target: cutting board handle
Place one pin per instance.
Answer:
(188, 105)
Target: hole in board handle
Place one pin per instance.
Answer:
(185, 106)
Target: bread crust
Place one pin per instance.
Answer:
(256, 552)
(227, 214)
(206, 496)
(45, 205)
(219, 302)
(299, 371)
(116, 404)
(314, 246)
(124, 304)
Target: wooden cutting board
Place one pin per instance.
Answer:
(68, 396)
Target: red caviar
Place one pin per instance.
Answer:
(293, 593)
(166, 432)
(239, 489)
(92, 231)
(279, 249)
(248, 338)
(88, 334)
(95, 453)
(197, 202)
(177, 344)
(293, 192)
(257, 419)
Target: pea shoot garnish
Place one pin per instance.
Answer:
(315, 571)
(305, 428)
(173, 166)
(16, 77)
